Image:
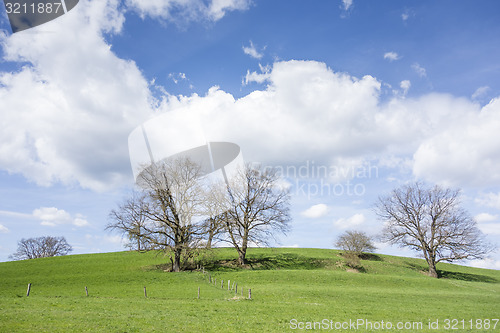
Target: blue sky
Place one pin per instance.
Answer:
(378, 92)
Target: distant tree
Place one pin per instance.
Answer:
(355, 242)
(430, 220)
(41, 247)
(256, 209)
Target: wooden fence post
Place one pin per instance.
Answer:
(249, 293)
(29, 289)
(236, 289)
(198, 292)
(86, 291)
(221, 284)
(145, 293)
(228, 284)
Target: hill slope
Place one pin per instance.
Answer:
(291, 288)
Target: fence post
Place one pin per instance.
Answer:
(198, 292)
(145, 294)
(29, 289)
(221, 284)
(228, 284)
(236, 288)
(86, 291)
(249, 293)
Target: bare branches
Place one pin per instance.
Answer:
(258, 209)
(41, 247)
(430, 220)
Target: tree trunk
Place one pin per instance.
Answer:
(176, 264)
(241, 258)
(432, 269)
(242, 252)
(210, 238)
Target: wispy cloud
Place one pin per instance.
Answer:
(3, 229)
(485, 217)
(346, 4)
(391, 56)
(252, 51)
(405, 86)
(480, 92)
(419, 69)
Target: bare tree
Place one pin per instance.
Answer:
(130, 218)
(213, 228)
(354, 243)
(170, 202)
(41, 247)
(430, 220)
(258, 209)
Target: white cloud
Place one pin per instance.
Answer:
(3, 229)
(335, 118)
(316, 211)
(353, 221)
(480, 92)
(252, 51)
(391, 56)
(405, 16)
(419, 70)
(405, 86)
(466, 151)
(66, 116)
(490, 228)
(52, 216)
(488, 263)
(489, 200)
(346, 4)
(180, 11)
(485, 217)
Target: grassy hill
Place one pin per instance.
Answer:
(291, 288)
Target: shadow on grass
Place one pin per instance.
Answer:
(453, 275)
(266, 262)
(371, 257)
(466, 277)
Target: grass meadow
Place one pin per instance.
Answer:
(292, 290)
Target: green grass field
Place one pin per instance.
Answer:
(291, 289)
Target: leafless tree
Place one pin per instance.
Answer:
(213, 228)
(130, 218)
(257, 209)
(355, 242)
(170, 202)
(430, 220)
(41, 247)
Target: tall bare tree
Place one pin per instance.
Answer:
(130, 218)
(430, 220)
(170, 202)
(41, 247)
(258, 209)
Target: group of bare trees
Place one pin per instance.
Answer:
(179, 210)
(427, 219)
(41, 247)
